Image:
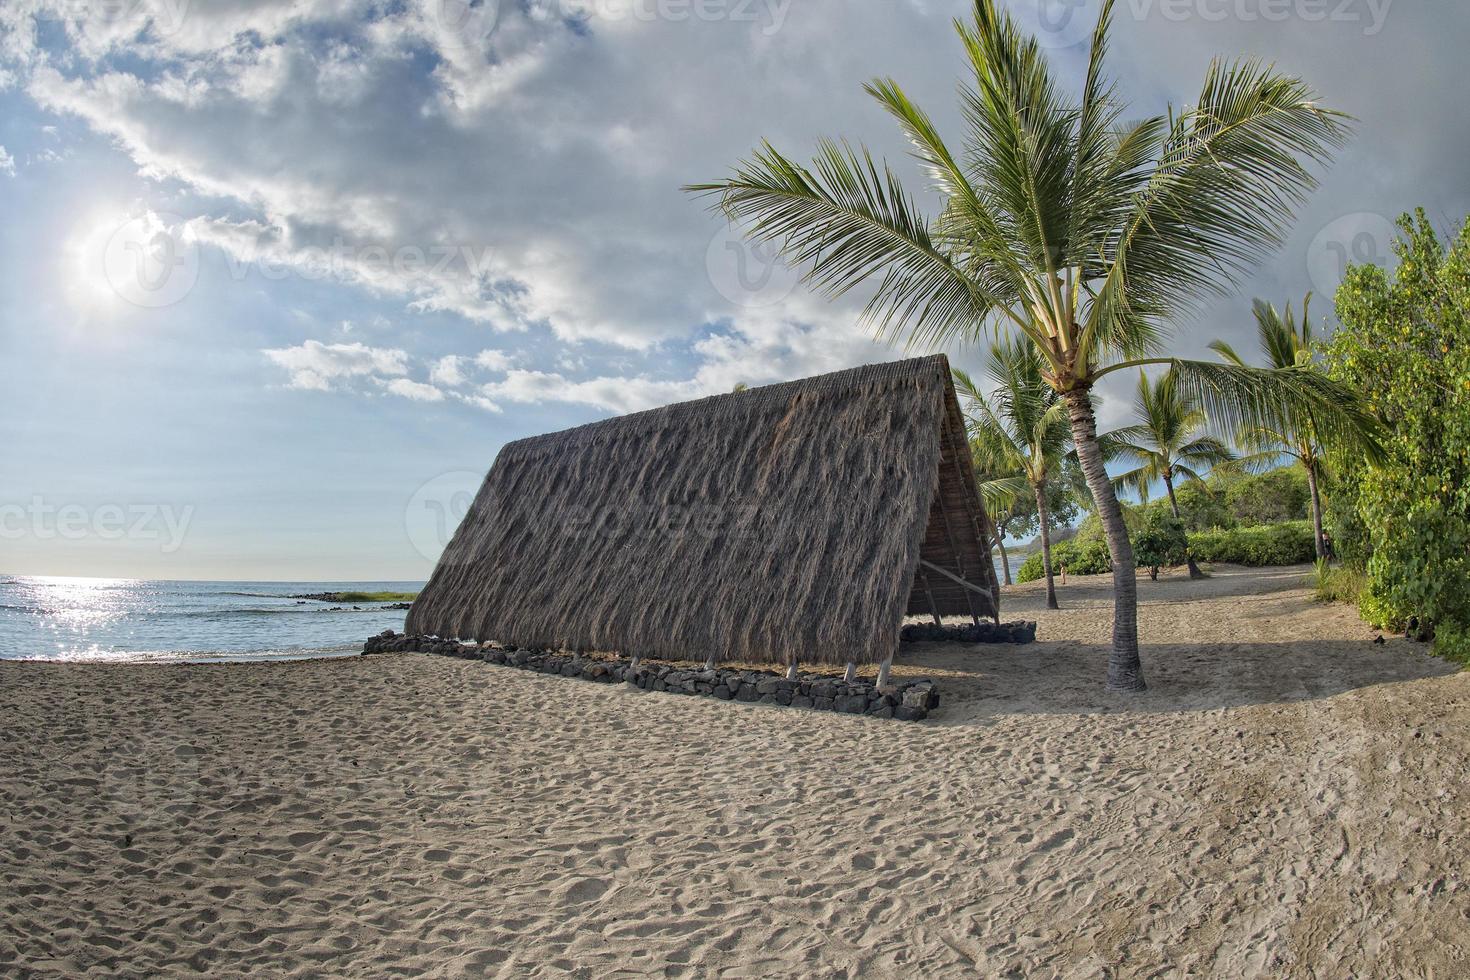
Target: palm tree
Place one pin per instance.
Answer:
(1002, 488)
(1023, 427)
(1064, 224)
(1167, 444)
(1285, 344)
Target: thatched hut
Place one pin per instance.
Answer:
(800, 521)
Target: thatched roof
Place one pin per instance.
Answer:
(776, 523)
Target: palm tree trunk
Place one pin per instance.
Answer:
(1194, 571)
(1321, 542)
(1005, 561)
(1041, 515)
(1125, 672)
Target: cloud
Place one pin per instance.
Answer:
(765, 351)
(359, 369)
(534, 162)
(7, 163)
(454, 370)
(415, 390)
(481, 402)
(317, 127)
(449, 371)
(314, 366)
(494, 360)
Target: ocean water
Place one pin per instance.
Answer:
(120, 620)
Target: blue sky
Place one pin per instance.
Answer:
(388, 238)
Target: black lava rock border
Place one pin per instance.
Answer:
(905, 701)
(1018, 632)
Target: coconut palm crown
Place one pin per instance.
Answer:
(1064, 224)
(1168, 444)
(1286, 344)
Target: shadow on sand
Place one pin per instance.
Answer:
(1067, 677)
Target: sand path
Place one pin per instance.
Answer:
(1288, 799)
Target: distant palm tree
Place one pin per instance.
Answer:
(1022, 426)
(1002, 488)
(1085, 234)
(1287, 344)
(1168, 444)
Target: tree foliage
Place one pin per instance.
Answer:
(1405, 343)
(1169, 442)
(1203, 507)
(1277, 495)
(1160, 541)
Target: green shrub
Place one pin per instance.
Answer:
(1403, 343)
(1091, 529)
(1336, 583)
(1032, 568)
(1078, 556)
(1201, 508)
(1289, 543)
(1160, 540)
(1269, 498)
(1152, 531)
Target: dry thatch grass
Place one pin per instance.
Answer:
(763, 526)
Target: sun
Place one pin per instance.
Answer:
(85, 270)
(142, 260)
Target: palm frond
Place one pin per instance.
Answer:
(846, 221)
(1296, 398)
(1006, 494)
(1232, 171)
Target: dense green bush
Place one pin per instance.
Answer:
(1160, 541)
(1201, 507)
(1288, 543)
(1079, 557)
(1269, 498)
(1405, 343)
(1152, 528)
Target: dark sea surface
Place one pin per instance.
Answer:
(120, 620)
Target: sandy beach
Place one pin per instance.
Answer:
(1288, 799)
